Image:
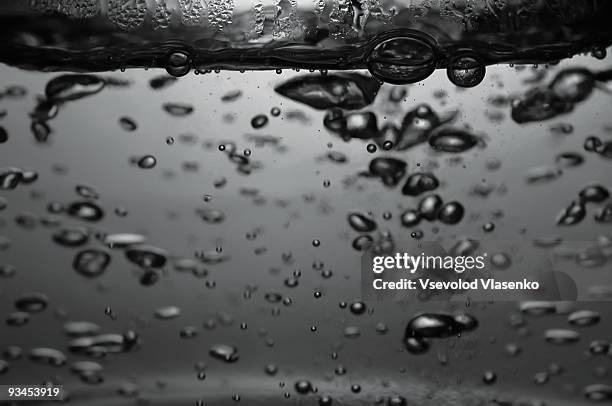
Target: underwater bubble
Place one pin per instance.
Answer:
(433, 325)
(361, 222)
(416, 345)
(231, 96)
(420, 182)
(539, 105)
(598, 392)
(86, 191)
(85, 210)
(10, 178)
(599, 347)
(3, 135)
(362, 243)
(48, 356)
(32, 302)
(594, 194)
(41, 131)
(178, 64)
(389, 170)
(361, 125)
(448, 139)
(410, 218)
(91, 262)
(538, 308)
(573, 84)
(178, 109)
(429, 206)
(349, 91)
(168, 312)
(147, 162)
(81, 328)
(604, 215)
(224, 352)
(592, 144)
(417, 125)
(212, 216)
(569, 159)
(303, 387)
(571, 215)
(17, 319)
(7, 271)
(583, 318)
(402, 60)
(352, 332)
(466, 321)
(451, 213)
(561, 336)
(501, 260)
(146, 256)
(73, 87)
(358, 308)
(71, 237)
(122, 240)
(542, 174)
(489, 377)
(259, 121)
(161, 82)
(128, 124)
(466, 70)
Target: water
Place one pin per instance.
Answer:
(169, 238)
